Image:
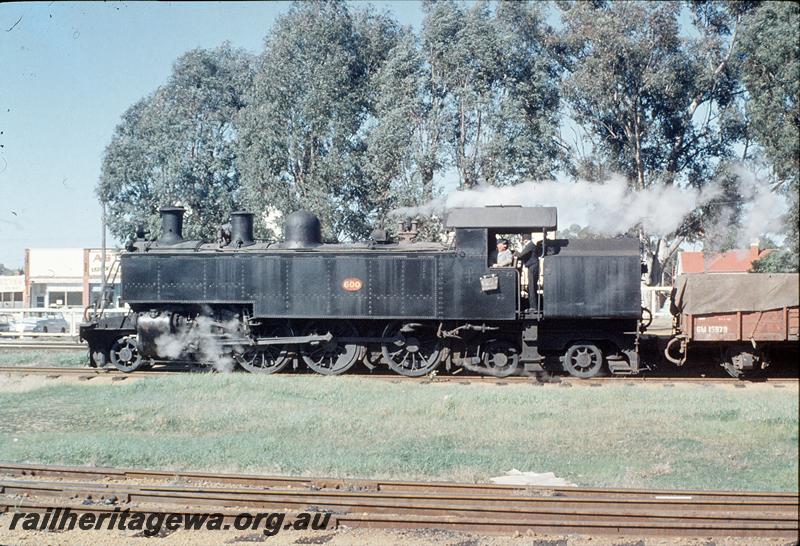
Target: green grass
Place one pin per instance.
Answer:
(681, 437)
(43, 357)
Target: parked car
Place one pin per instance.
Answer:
(6, 323)
(42, 321)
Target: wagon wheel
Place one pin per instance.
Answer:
(729, 357)
(332, 357)
(501, 358)
(268, 358)
(732, 370)
(417, 352)
(124, 354)
(583, 360)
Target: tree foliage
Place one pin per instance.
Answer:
(303, 131)
(350, 115)
(654, 104)
(405, 142)
(777, 261)
(9, 270)
(770, 71)
(178, 146)
(497, 89)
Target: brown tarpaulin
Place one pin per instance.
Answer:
(710, 293)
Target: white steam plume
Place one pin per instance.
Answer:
(200, 339)
(764, 210)
(611, 207)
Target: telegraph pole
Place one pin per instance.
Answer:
(103, 260)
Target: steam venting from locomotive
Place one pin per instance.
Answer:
(609, 208)
(199, 337)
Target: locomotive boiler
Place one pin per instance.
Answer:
(412, 306)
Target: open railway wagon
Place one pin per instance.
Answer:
(410, 305)
(749, 316)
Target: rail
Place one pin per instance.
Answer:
(557, 381)
(404, 504)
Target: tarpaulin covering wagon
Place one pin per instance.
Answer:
(748, 315)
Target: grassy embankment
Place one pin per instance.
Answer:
(43, 357)
(640, 436)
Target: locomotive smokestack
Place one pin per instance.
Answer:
(242, 229)
(171, 225)
(302, 230)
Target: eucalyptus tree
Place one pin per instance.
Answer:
(303, 132)
(657, 106)
(178, 146)
(770, 72)
(494, 84)
(405, 142)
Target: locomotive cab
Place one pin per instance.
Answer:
(475, 233)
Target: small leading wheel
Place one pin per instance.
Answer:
(583, 360)
(416, 352)
(332, 357)
(124, 354)
(268, 358)
(500, 358)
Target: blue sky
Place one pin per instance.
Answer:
(67, 73)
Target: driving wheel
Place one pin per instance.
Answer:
(416, 352)
(335, 356)
(267, 358)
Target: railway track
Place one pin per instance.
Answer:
(567, 381)
(88, 373)
(403, 504)
(562, 381)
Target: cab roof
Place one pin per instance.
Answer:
(507, 219)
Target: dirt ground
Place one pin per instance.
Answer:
(355, 537)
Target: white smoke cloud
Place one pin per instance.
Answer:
(200, 339)
(610, 208)
(764, 210)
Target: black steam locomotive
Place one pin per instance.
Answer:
(413, 306)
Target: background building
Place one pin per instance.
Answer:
(738, 260)
(12, 291)
(68, 277)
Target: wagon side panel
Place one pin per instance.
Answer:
(760, 326)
